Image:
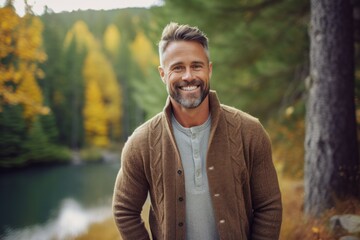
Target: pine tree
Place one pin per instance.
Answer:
(13, 132)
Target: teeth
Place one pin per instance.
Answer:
(189, 88)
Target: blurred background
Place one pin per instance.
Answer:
(75, 82)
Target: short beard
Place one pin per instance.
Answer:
(193, 101)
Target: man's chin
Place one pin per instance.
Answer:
(190, 103)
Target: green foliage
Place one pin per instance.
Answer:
(21, 146)
(150, 93)
(68, 99)
(13, 132)
(49, 126)
(256, 48)
(38, 149)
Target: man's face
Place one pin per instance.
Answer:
(186, 71)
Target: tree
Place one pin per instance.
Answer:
(20, 54)
(150, 91)
(112, 42)
(69, 95)
(98, 69)
(94, 114)
(257, 49)
(332, 169)
(13, 132)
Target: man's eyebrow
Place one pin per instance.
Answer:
(175, 64)
(198, 62)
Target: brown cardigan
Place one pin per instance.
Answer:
(242, 179)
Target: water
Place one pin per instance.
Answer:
(57, 201)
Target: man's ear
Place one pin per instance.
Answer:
(162, 73)
(210, 69)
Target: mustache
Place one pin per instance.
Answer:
(186, 83)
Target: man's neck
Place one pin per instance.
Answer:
(191, 117)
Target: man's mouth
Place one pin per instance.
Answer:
(189, 88)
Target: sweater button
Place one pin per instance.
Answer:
(180, 224)
(179, 172)
(181, 199)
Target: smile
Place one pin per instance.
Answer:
(189, 88)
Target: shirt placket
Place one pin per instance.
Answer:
(195, 144)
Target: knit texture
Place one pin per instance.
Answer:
(242, 179)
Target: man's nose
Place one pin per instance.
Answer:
(187, 74)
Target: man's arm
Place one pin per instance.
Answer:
(130, 193)
(266, 196)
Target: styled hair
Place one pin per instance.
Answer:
(176, 32)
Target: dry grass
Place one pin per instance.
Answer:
(107, 230)
(298, 227)
(295, 226)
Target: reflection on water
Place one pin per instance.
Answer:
(37, 203)
(73, 220)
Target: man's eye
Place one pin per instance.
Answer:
(197, 67)
(177, 68)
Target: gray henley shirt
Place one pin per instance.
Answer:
(192, 144)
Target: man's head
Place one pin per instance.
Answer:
(185, 66)
(175, 32)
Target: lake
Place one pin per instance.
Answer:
(55, 201)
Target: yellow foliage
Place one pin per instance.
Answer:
(98, 69)
(9, 22)
(30, 39)
(95, 119)
(29, 87)
(112, 40)
(143, 53)
(82, 36)
(20, 53)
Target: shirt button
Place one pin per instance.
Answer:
(181, 199)
(180, 224)
(179, 172)
(217, 195)
(222, 221)
(211, 168)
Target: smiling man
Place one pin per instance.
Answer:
(207, 167)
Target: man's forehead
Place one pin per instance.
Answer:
(189, 51)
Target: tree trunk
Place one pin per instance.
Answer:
(331, 160)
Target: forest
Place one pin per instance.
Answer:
(74, 86)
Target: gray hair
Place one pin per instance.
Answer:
(175, 32)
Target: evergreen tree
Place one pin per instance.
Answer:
(49, 126)
(150, 92)
(13, 132)
(257, 49)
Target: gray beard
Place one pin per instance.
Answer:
(190, 102)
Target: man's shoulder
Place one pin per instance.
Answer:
(235, 115)
(243, 122)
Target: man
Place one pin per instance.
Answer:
(207, 167)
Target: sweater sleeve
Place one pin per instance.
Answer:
(266, 196)
(130, 193)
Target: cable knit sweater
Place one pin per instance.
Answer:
(242, 179)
